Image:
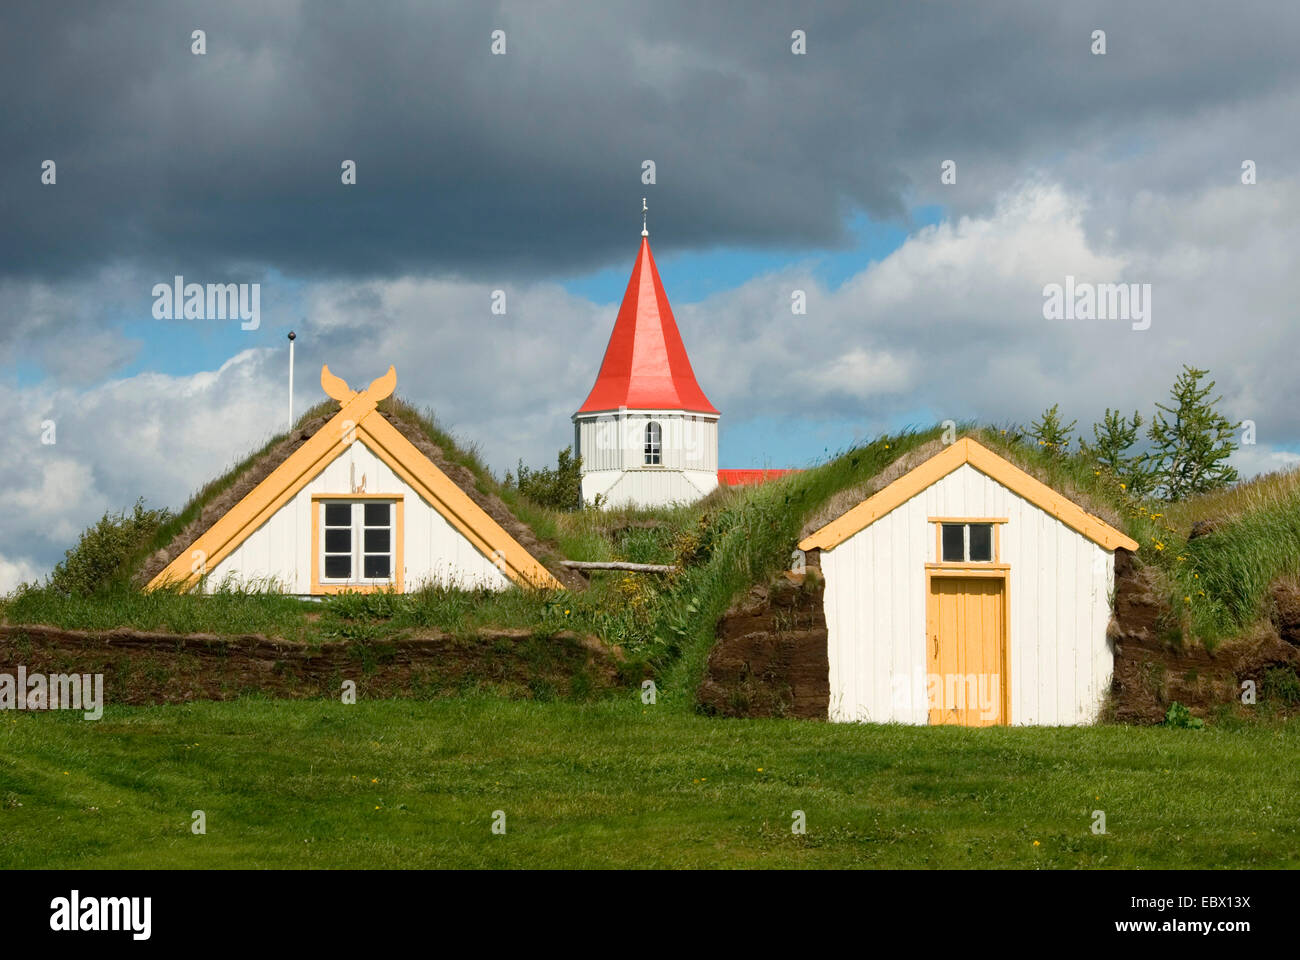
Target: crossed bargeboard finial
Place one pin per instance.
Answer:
(336, 389)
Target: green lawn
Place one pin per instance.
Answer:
(415, 784)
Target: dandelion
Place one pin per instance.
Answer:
(1187, 599)
(1035, 843)
(1123, 486)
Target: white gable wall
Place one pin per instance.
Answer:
(280, 549)
(1060, 585)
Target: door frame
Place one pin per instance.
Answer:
(990, 571)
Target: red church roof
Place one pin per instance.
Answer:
(645, 365)
(749, 478)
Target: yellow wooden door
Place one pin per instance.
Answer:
(966, 650)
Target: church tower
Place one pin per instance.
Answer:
(647, 434)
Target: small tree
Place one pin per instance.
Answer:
(1191, 440)
(1112, 440)
(560, 488)
(1050, 434)
(103, 551)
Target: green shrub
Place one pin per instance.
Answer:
(101, 556)
(560, 489)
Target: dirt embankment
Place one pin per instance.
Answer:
(770, 658)
(147, 668)
(1154, 667)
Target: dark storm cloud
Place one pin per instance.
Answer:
(475, 164)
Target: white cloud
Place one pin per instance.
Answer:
(948, 325)
(156, 436)
(14, 573)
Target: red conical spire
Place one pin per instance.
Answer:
(645, 365)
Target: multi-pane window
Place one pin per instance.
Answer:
(357, 541)
(653, 444)
(966, 542)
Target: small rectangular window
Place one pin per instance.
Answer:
(981, 542)
(954, 543)
(357, 542)
(966, 543)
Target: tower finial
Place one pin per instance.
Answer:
(644, 231)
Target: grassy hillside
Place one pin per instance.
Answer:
(403, 784)
(1218, 584)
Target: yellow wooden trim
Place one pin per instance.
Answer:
(967, 520)
(399, 544)
(883, 501)
(276, 489)
(357, 496)
(354, 421)
(964, 569)
(471, 520)
(333, 588)
(990, 464)
(315, 548)
(399, 557)
(1045, 498)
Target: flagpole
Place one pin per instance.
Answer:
(292, 336)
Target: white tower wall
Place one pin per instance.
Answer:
(615, 466)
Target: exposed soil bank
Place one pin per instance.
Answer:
(770, 657)
(146, 668)
(1154, 667)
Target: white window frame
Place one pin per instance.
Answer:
(357, 552)
(654, 444)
